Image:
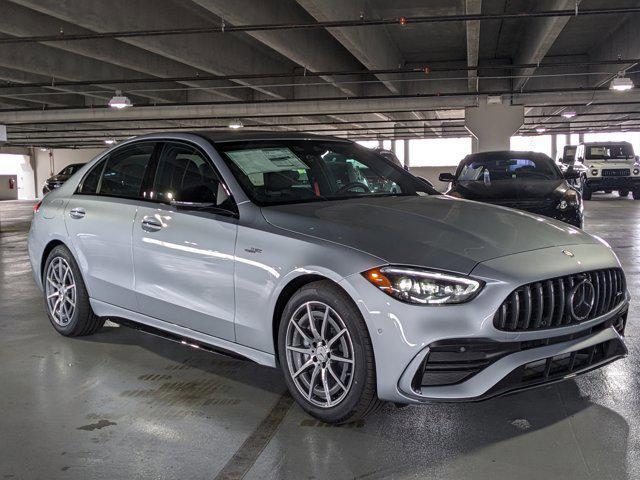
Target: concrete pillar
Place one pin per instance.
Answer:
(580, 137)
(394, 146)
(406, 154)
(554, 146)
(493, 125)
(380, 144)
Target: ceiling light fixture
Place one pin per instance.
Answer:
(569, 114)
(541, 129)
(109, 141)
(235, 124)
(621, 83)
(120, 101)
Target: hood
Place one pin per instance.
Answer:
(508, 189)
(437, 231)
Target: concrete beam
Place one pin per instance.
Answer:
(21, 21)
(373, 47)
(293, 108)
(540, 36)
(473, 42)
(314, 50)
(218, 54)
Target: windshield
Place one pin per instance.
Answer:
(70, 169)
(496, 168)
(294, 171)
(608, 152)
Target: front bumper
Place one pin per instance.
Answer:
(402, 334)
(612, 183)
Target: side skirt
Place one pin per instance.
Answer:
(180, 334)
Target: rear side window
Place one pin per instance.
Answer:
(89, 185)
(184, 174)
(124, 171)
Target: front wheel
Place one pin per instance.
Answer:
(636, 194)
(66, 297)
(623, 193)
(326, 355)
(586, 193)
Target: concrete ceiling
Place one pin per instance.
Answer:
(341, 78)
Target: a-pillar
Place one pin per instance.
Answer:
(492, 125)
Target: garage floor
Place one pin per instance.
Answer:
(122, 404)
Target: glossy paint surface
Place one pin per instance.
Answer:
(193, 273)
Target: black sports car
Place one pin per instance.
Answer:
(56, 181)
(524, 180)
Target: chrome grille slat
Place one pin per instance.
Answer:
(545, 304)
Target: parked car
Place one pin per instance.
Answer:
(56, 181)
(609, 166)
(247, 243)
(524, 180)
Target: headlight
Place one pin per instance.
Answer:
(594, 172)
(636, 171)
(569, 200)
(423, 287)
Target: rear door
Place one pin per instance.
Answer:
(99, 219)
(184, 257)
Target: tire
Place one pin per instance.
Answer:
(72, 316)
(359, 397)
(586, 193)
(636, 194)
(623, 193)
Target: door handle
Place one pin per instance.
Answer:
(150, 224)
(77, 212)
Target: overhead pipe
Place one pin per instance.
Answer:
(425, 70)
(400, 22)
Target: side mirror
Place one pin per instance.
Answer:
(571, 174)
(581, 160)
(446, 177)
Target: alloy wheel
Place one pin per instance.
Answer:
(320, 354)
(60, 289)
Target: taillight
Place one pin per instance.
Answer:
(36, 207)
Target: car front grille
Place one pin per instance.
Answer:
(616, 172)
(561, 301)
(530, 204)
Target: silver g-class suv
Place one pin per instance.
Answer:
(317, 256)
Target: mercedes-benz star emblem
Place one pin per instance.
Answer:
(581, 299)
(568, 253)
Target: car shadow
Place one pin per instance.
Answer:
(555, 430)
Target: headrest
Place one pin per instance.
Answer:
(282, 180)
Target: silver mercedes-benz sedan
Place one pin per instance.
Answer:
(320, 257)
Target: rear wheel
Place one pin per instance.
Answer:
(66, 298)
(326, 355)
(586, 193)
(623, 193)
(636, 194)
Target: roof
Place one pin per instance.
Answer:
(218, 136)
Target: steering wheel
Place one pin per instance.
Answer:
(349, 186)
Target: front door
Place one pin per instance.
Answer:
(184, 257)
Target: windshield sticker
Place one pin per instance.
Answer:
(262, 160)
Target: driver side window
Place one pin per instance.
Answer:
(183, 174)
